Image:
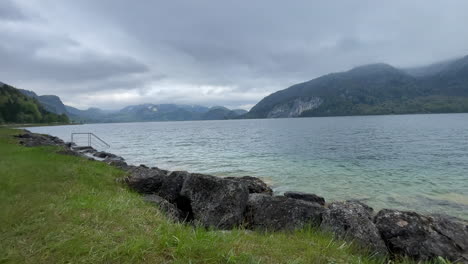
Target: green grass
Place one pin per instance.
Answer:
(64, 209)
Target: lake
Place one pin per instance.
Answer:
(410, 162)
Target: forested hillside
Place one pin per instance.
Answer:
(372, 90)
(15, 107)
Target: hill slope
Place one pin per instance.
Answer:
(373, 89)
(16, 107)
(51, 103)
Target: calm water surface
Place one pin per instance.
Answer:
(412, 162)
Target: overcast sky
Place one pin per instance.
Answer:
(112, 53)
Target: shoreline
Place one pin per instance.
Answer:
(226, 203)
(70, 209)
(233, 119)
(389, 175)
(108, 157)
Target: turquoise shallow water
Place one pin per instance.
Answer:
(411, 162)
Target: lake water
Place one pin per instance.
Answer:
(411, 162)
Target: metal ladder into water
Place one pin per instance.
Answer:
(92, 140)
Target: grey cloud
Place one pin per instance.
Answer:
(251, 47)
(24, 60)
(9, 11)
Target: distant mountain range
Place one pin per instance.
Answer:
(134, 113)
(371, 90)
(154, 112)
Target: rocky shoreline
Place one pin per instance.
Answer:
(248, 202)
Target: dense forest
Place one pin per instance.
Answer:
(15, 107)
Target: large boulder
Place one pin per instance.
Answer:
(353, 220)
(168, 208)
(172, 185)
(254, 184)
(309, 197)
(279, 212)
(146, 180)
(423, 237)
(118, 163)
(156, 181)
(213, 201)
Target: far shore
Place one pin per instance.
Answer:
(36, 125)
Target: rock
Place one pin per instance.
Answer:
(84, 149)
(254, 184)
(306, 197)
(69, 152)
(117, 163)
(450, 217)
(169, 209)
(279, 212)
(69, 145)
(361, 202)
(101, 154)
(353, 220)
(170, 190)
(215, 202)
(172, 185)
(29, 139)
(107, 155)
(145, 180)
(455, 230)
(423, 237)
(294, 107)
(155, 181)
(26, 134)
(113, 158)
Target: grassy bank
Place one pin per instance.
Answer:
(57, 208)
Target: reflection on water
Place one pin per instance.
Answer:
(417, 162)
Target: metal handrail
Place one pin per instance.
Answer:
(90, 136)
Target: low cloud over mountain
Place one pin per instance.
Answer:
(115, 53)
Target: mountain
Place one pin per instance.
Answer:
(240, 112)
(194, 108)
(135, 113)
(220, 113)
(18, 107)
(373, 89)
(451, 80)
(90, 115)
(153, 112)
(156, 112)
(52, 103)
